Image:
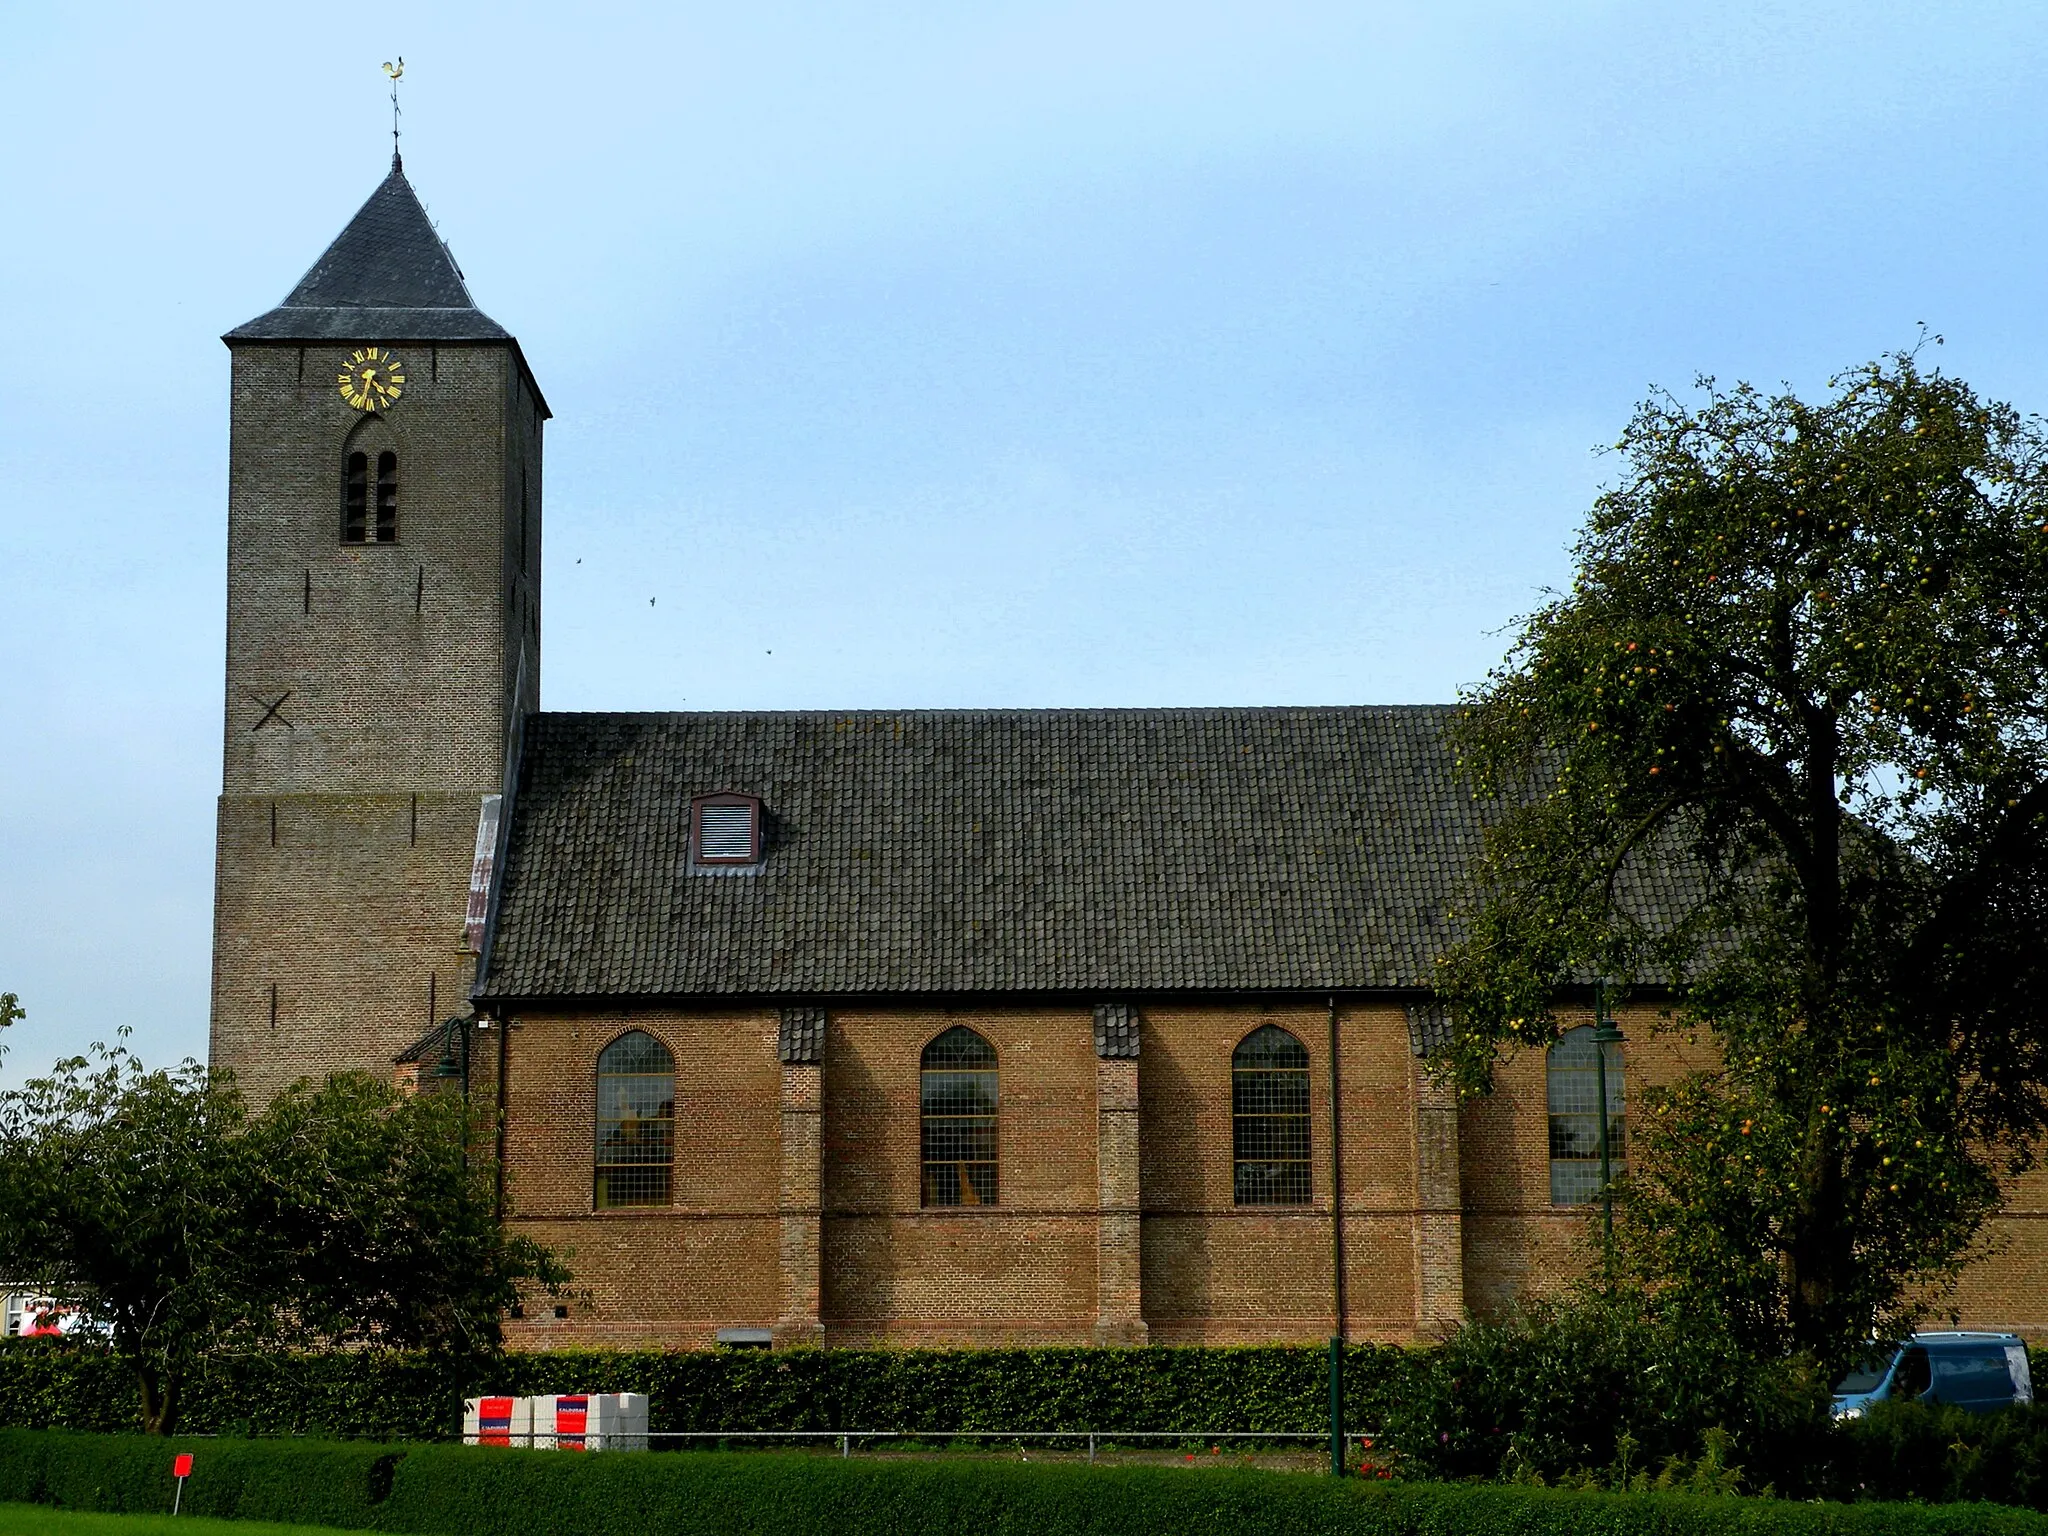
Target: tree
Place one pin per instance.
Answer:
(1783, 747)
(167, 1215)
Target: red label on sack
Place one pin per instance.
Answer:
(181, 1466)
(494, 1421)
(571, 1419)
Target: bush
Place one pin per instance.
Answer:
(1907, 1451)
(454, 1491)
(1617, 1390)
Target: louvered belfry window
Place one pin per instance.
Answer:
(387, 497)
(369, 510)
(725, 829)
(636, 1122)
(1269, 1119)
(958, 1073)
(355, 499)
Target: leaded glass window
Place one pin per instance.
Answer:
(636, 1121)
(1269, 1119)
(1574, 1073)
(958, 1113)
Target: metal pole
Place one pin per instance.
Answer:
(1336, 1407)
(1336, 1180)
(1606, 1168)
(1604, 1035)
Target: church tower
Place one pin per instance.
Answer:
(383, 643)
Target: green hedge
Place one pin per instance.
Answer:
(1498, 1404)
(1905, 1450)
(373, 1395)
(450, 1491)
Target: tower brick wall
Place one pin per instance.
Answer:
(368, 692)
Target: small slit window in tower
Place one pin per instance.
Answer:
(355, 499)
(387, 497)
(958, 1114)
(1269, 1119)
(636, 1122)
(725, 829)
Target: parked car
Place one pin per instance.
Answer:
(1978, 1371)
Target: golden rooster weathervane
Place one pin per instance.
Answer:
(396, 72)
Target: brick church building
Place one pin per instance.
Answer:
(845, 1027)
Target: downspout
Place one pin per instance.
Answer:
(1336, 1184)
(504, 1065)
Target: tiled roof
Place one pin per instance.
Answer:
(387, 275)
(1076, 851)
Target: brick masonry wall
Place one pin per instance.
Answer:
(390, 671)
(1517, 1244)
(646, 1277)
(340, 943)
(749, 1241)
(1052, 1262)
(1215, 1272)
(1020, 1271)
(2006, 1288)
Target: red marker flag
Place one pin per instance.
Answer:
(181, 1466)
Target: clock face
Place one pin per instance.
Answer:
(373, 379)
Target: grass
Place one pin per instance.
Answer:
(40, 1520)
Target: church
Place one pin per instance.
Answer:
(923, 1027)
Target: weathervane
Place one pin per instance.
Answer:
(396, 72)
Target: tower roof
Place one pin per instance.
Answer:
(387, 274)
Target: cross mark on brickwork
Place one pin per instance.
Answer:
(270, 710)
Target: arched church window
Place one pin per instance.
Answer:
(1573, 1070)
(1269, 1119)
(636, 1119)
(958, 1119)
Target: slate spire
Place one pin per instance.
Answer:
(387, 276)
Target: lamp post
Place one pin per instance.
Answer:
(1605, 1034)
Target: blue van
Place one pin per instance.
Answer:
(1978, 1371)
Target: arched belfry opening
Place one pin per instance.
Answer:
(370, 483)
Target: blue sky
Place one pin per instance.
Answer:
(929, 355)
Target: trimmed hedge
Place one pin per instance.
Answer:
(380, 1395)
(1908, 1451)
(456, 1492)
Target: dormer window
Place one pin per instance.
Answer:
(725, 829)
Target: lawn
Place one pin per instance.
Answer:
(39, 1520)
